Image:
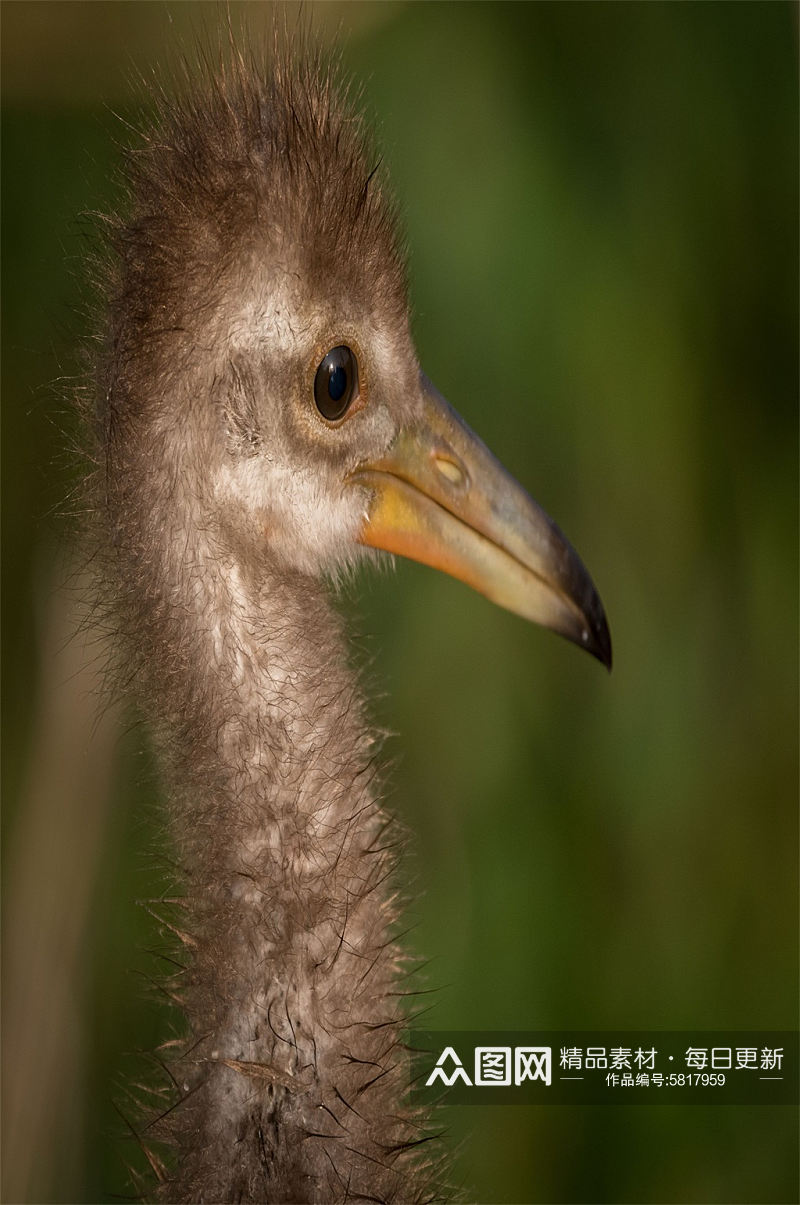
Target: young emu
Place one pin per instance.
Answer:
(264, 422)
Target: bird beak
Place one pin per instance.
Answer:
(439, 496)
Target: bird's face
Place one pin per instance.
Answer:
(264, 363)
(263, 275)
(337, 442)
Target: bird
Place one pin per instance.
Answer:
(260, 426)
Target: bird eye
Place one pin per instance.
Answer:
(336, 383)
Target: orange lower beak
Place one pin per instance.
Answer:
(439, 496)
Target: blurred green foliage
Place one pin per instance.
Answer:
(601, 206)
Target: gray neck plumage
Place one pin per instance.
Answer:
(293, 1080)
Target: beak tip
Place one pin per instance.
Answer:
(601, 645)
(593, 636)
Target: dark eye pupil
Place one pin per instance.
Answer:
(336, 383)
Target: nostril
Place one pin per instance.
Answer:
(449, 469)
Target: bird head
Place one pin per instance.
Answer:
(270, 305)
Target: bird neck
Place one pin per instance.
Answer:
(281, 769)
(292, 1083)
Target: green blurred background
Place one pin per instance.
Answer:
(601, 205)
